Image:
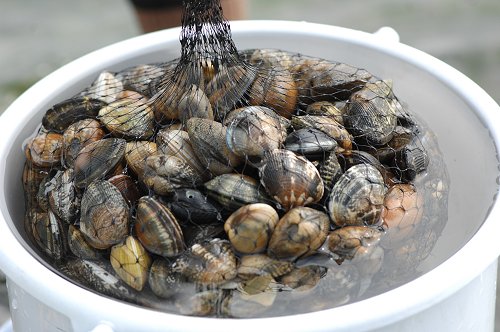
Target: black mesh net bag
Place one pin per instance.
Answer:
(231, 183)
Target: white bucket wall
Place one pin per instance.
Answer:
(457, 294)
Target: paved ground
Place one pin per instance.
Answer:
(37, 37)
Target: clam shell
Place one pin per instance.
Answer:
(325, 108)
(127, 186)
(235, 190)
(207, 263)
(250, 227)
(95, 160)
(45, 149)
(403, 211)
(276, 89)
(300, 231)
(79, 246)
(50, 235)
(131, 262)
(253, 132)
(348, 241)
(177, 143)
(62, 196)
(136, 153)
(163, 281)
(104, 218)
(191, 206)
(128, 117)
(357, 197)
(228, 87)
(290, 179)
(163, 174)
(69, 111)
(157, 228)
(208, 139)
(194, 104)
(106, 87)
(77, 136)
(138, 78)
(326, 124)
(260, 264)
(310, 142)
(370, 115)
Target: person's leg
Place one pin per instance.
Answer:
(161, 14)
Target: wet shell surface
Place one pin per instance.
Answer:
(235, 190)
(300, 231)
(357, 197)
(136, 153)
(250, 227)
(131, 262)
(62, 196)
(77, 136)
(157, 228)
(95, 160)
(253, 132)
(347, 241)
(290, 179)
(211, 262)
(104, 218)
(45, 149)
(251, 266)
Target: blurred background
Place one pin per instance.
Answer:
(39, 36)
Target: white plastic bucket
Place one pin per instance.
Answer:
(457, 294)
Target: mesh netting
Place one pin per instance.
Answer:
(231, 182)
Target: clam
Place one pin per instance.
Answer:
(190, 206)
(106, 87)
(163, 281)
(325, 108)
(304, 278)
(157, 228)
(177, 143)
(45, 149)
(128, 117)
(50, 235)
(250, 227)
(95, 160)
(411, 160)
(62, 196)
(253, 132)
(270, 58)
(370, 115)
(77, 136)
(164, 103)
(131, 262)
(276, 89)
(79, 246)
(227, 88)
(290, 179)
(235, 190)
(69, 111)
(333, 81)
(194, 104)
(138, 78)
(330, 171)
(127, 187)
(310, 142)
(211, 262)
(136, 153)
(33, 177)
(208, 139)
(326, 124)
(163, 174)
(347, 242)
(251, 266)
(104, 218)
(402, 214)
(357, 197)
(300, 231)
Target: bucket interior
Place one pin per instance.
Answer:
(464, 139)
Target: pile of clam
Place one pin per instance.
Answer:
(230, 191)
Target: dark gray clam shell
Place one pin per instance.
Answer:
(96, 159)
(357, 197)
(310, 142)
(190, 206)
